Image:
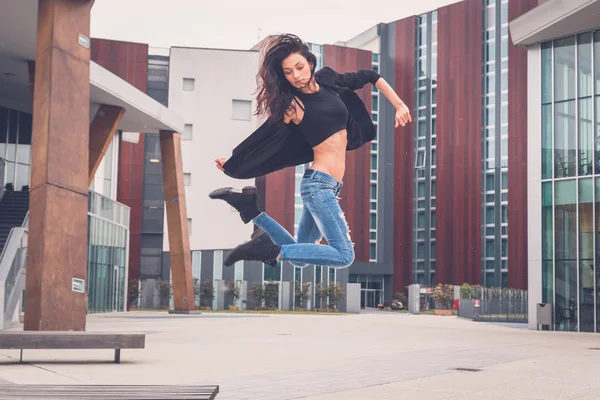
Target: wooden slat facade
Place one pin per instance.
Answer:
(517, 153)
(459, 119)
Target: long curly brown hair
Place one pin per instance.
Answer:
(275, 93)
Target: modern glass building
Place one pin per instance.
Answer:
(108, 220)
(108, 246)
(571, 180)
(424, 197)
(494, 247)
(564, 162)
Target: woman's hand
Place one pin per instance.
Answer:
(402, 116)
(220, 161)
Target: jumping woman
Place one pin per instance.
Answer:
(312, 116)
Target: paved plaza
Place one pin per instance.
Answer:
(377, 355)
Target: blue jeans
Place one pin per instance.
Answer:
(321, 216)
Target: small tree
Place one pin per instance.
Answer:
(197, 291)
(208, 293)
(165, 292)
(301, 294)
(401, 297)
(335, 293)
(271, 294)
(443, 296)
(322, 292)
(466, 291)
(258, 293)
(234, 289)
(134, 292)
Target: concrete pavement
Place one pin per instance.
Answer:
(365, 356)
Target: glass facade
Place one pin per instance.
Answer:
(372, 289)
(571, 180)
(153, 210)
(495, 144)
(424, 196)
(108, 244)
(15, 146)
(108, 220)
(373, 203)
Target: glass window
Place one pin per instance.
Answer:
(189, 84)
(420, 159)
(421, 189)
(565, 241)
(372, 251)
(584, 64)
(597, 60)
(373, 161)
(490, 248)
(489, 215)
(188, 132)
(505, 180)
(504, 214)
(586, 255)
(420, 250)
(597, 156)
(564, 69)
(564, 140)
(596, 229)
(374, 103)
(373, 221)
(433, 219)
(241, 110)
(586, 137)
(433, 188)
(373, 191)
(547, 141)
(420, 220)
(546, 72)
(489, 182)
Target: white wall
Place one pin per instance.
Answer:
(220, 77)
(98, 186)
(534, 182)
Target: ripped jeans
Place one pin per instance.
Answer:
(321, 216)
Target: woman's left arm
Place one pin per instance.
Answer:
(402, 116)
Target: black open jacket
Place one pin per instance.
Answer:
(274, 146)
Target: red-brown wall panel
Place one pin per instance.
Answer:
(129, 61)
(355, 194)
(459, 178)
(517, 154)
(403, 156)
(279, 197)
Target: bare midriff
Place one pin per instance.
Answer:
(330, 156)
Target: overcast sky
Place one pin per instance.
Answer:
(240, 24)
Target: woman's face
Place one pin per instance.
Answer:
(296, 70)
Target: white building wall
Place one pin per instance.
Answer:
(105, 179)
(534, 182)
(220, 77)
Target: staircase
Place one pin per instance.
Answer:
(13, 209)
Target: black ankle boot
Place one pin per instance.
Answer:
(260, 248)
(244, 202)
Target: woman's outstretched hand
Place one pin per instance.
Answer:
(402, 116)
(220, 161)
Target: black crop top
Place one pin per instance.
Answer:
(324, 114)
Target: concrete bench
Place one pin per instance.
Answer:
(151, 392)
(27, 340)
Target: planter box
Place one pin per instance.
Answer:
(205, 308)
(443, 312)
(233, 308)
